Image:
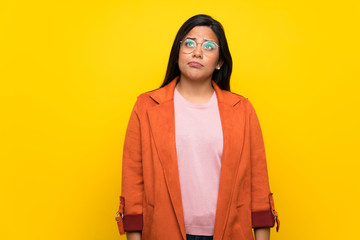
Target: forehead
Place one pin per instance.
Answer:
(202, 32)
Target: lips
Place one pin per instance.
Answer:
(195, 64)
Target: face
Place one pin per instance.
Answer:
(200, 64)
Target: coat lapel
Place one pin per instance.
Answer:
(233, 125)
(162, 123)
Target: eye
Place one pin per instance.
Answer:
(209, 45)
(190, 43)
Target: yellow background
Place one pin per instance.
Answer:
(70, 72)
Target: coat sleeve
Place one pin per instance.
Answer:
(262, 203)
(129, 217)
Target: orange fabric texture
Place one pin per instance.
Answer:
(150, 178)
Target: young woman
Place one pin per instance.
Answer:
(194, 162)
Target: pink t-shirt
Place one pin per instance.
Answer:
(199, 146)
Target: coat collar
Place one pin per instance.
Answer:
(162, 124)
(166, 93)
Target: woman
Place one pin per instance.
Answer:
(194, 162)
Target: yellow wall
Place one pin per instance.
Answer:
(70, 72)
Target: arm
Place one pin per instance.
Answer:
(263, 212)
(132, 178)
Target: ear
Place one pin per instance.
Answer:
(220, 63)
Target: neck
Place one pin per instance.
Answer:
(195, 91)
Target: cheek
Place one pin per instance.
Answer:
(213, 61)
(182, 60)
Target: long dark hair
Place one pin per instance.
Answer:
(222, 76)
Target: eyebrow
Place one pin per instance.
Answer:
(196, 38)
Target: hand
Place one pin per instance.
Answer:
(262, 233)
(133, 235)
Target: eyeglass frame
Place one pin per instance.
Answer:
(202, 44)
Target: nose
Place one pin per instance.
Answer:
(198, 51)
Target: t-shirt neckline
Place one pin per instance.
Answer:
(177, 95)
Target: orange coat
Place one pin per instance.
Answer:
(151, 199)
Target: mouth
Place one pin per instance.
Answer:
(195, 64)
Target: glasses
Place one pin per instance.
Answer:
(208, 48)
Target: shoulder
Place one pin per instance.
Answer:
(232, 98)
(239, 102)
(144, 96)
(145, 101)
(234, 95)
(147, 96)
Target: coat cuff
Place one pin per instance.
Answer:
(133, 223)
(262, 219)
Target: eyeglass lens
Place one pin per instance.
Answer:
(208, 47)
